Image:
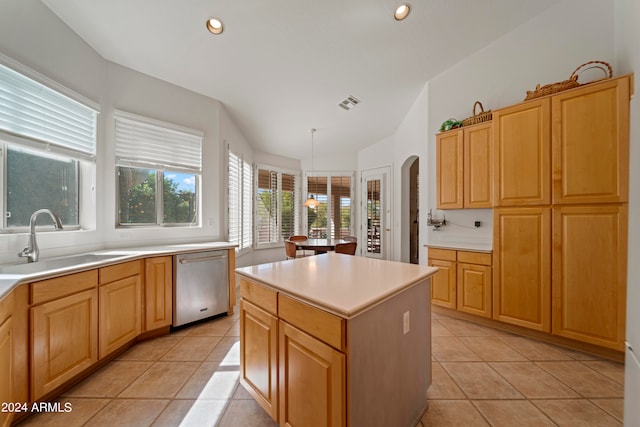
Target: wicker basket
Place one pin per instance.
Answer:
(481, 117)
(568, 84)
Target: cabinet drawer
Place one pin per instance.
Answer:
(6, 306)
(474, 257)
(46, 290)
(443, 254)
(263, 297)
(318, 323)
(120, 271)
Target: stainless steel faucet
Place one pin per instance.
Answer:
(32, 252)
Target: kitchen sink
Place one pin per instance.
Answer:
(57, 263)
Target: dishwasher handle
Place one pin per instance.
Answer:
(205, 258)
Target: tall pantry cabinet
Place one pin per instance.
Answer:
(560, 221)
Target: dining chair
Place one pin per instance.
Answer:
(346, 248)
(298, 238)
(350, 238)
(290, 249)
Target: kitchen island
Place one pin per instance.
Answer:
(337, 340)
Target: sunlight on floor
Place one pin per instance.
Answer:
(213, 398)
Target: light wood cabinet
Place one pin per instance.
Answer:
(64, 338)
(522, 154)
(443, 283)
(474, 283)
(6, 358)
(463, 164)
(158, 292)
(120, 306)
(449, 167)
(463, 281)
(522, 267)
(312, 380)
(259, 349)
(590, 142)
(478, 144)
(589, 274)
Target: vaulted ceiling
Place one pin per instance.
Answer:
(281, 67)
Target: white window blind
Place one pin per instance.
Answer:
(32, 110)
(267, 207)
(145, 142)
(240, 202)
(277, 206)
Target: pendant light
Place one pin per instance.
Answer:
(311, 201)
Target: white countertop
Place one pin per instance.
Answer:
(9, 281)
(462, 246)
(344, 285)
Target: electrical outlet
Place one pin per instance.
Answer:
(405, 322)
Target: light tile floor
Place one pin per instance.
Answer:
(481, 377)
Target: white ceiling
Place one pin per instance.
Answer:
(282, 67)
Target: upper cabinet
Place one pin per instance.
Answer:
(590, 140)
(464, 167)
(568, 148)
(522, 154)
(449, 177)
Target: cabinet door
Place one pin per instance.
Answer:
(120, 308)
(312, 381)
(474, 289)
(477, 166)
(522, 154)
(158, 297)
(64, 340)
(591, 143)
(522, 267)
(589, 274)
(259, 356)
(6, 368)
(443, 283)
(449, 170)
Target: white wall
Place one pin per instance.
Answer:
(627, 39)
(544, 50)
(33, 36)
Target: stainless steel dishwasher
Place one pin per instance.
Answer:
(200, 286)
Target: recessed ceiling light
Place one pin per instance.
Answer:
(402, 12)
(214, 25)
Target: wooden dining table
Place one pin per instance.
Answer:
(319, 246)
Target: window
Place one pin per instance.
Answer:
(158, 168)
(332, 218)
(277, 208)
(240, 202)
(47, 139)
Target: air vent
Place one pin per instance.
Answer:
(348, 103)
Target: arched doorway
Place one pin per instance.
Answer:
(410, 199)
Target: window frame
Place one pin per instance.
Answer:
(245, 182)
(279, 242)
(190, 166)
(328, 175)
(84, 154)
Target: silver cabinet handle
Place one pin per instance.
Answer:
(206, 258)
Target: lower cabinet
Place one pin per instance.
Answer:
(158, 292)
(120, 306)
(64, 339)
(259, 370)
(463, 281)
(522, 267)
(6, 357)
(312, 380)
(443, 283)
(474, 283)
(589, 274)
(298, 378)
